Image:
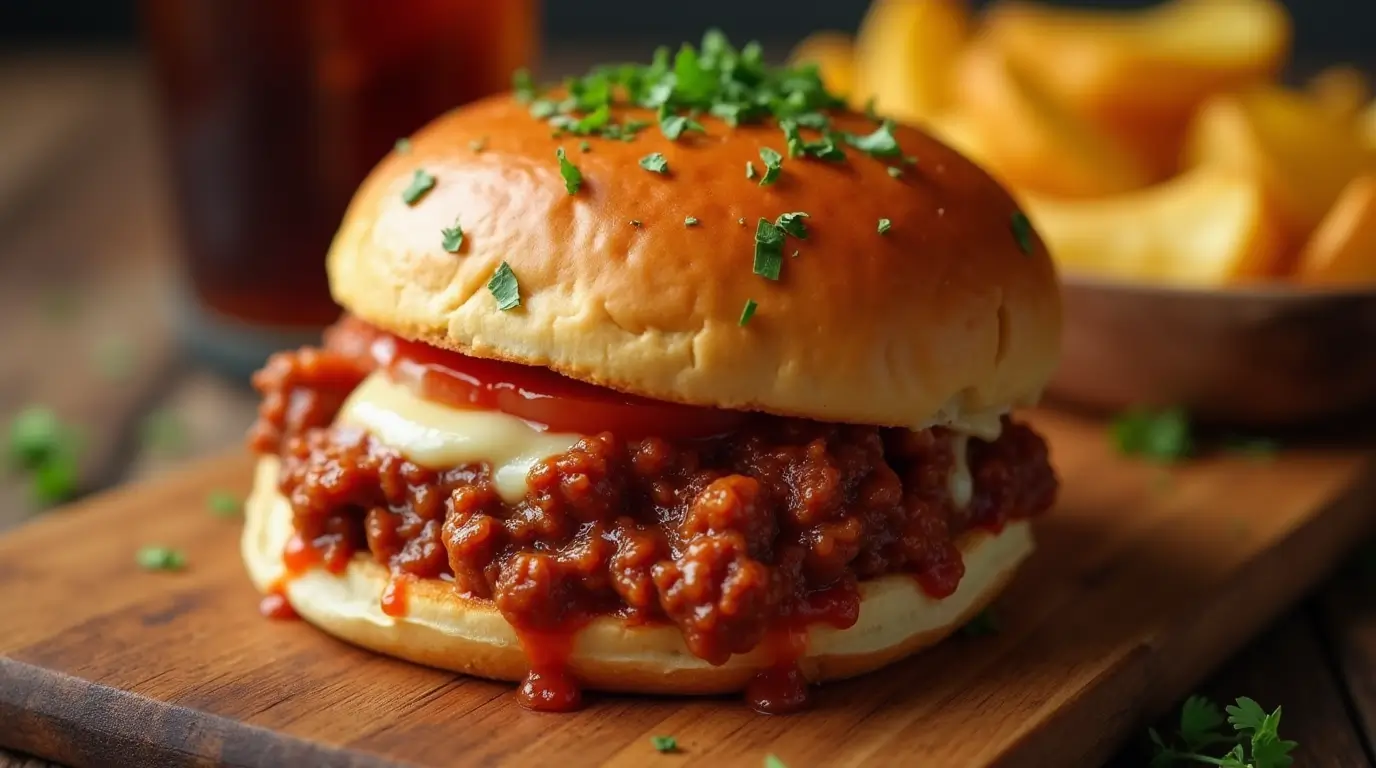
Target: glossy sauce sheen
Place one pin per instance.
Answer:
(646, 528)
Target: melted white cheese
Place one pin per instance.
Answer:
(440, 436)
(960, 483)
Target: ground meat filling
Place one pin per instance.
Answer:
(727, 537)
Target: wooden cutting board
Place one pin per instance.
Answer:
(1144, 579)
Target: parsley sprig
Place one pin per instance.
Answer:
(1254, 742)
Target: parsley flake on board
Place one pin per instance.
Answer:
(224, 504)
(35, 436)
(773, 165)
(1022, 232)
(421, 182)
(573, 178)
(452, 237)
(504, 288)
(769, 250)
(655, 163)
(884, 226)
(1163, 436)
(156, 558)
(792, 224)
(748, 311)
(1254, 743)
(664, 744)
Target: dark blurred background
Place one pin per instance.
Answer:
(1327, 28)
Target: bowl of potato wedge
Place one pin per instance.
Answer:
(1214, 223)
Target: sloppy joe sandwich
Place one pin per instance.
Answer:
(679, 378)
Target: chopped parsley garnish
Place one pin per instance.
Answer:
(402, 146)
(673, 126)
(452, 237)
(1022, 231)
(1162, 436)
(584, 146)
(224, 504)
(716, 78)
(772, 761)
(421, 182)
(1254, 743)
(792, 224)
(524, 85)
(894, 171)
(773, 164)
(543, 108)
(573, 178)
(478, 144)
(664, 743)
(155, 558)
(749, 170)
(885, 225)
(748, 311)
(984, 623)
(504, 288)
(655, 163)
(881, 143)
(769, 250)
(690, 221)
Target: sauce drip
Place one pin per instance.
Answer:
(394, 595)
(548, 686)
(300, 555)
(275, 604)
(783, 688)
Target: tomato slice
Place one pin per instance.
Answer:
(541, 397)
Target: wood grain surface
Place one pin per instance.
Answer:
(1138, 589)
(84, 219)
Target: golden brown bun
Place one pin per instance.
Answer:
(941, 317)
(442, 629)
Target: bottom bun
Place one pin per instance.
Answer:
(443, 629)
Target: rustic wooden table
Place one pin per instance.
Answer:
(87, 281)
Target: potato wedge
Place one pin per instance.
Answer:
(904, 53)
(1342, 251)
(1342, 90)
(1208, 227)
(1139, 75)
(834, 55)
(1028, 141)
(1303, 154)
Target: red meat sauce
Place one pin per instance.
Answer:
(737, 539)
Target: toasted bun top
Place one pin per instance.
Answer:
(942, 317)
